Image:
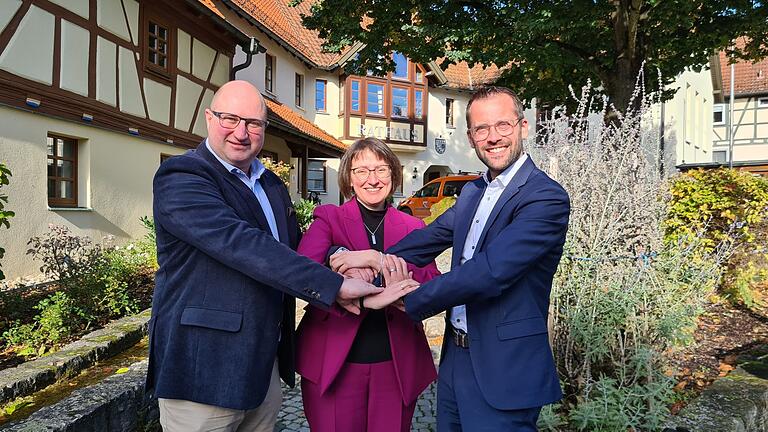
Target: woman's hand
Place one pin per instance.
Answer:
(395, 270)
(392, 293)
(343, 261)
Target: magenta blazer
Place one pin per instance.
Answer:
(324, 338)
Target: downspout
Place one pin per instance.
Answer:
(254, 47)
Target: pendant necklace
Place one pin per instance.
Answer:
(373, 233)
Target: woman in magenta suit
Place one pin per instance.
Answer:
(363, 372)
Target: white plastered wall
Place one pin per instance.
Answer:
(115, 174)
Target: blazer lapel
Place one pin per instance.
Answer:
(354, 225)
(246, 194)
(465, 211)
(517, 181)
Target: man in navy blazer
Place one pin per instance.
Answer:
(223, 308)
(507, 230)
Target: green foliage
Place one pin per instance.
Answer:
(280, 168)
(724, 207)
(4, 214)
(724, 204)
(304, 209)
(552, 45)
(97, 282)
(439, 208)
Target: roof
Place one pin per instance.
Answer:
(750, 78)
(461, 76)
(209, 4)
(285, 118)
(282, 22)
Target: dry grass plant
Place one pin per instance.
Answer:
(621, 297)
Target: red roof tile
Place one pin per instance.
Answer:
(285, 22)
(749, 77)
(279, 114)
(209, 4)
(461, 76)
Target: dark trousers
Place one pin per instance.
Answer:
(461, 407)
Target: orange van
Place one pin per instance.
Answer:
(431, 193)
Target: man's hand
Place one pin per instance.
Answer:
(353, 289)
(364, 274)
(343, 261)
(391, 294)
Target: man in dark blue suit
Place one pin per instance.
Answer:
(223, 309)
(507, 230)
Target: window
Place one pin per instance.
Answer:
(320, 95)
(316, 175)
(62, 171)
(355, 96)
(269, 72)
(449, 112)
(375, 99)
(299, 91)
(419, 74)
(453, 188)
(157, 45)
(429, 190)
(399, 102)
(718, 114)
(401, 66)
(720, 156)
(763, 101)
(418, 105)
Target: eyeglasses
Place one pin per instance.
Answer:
(230, 121)
(382, 172)
(503, 128)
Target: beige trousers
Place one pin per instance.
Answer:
(178, 415)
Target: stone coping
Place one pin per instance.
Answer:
(115, 337)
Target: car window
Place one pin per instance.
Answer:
(429, 190)
(452, 188)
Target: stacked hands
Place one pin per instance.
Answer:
(359, 269)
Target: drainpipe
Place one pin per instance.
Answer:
(730, 120)
(254, 47)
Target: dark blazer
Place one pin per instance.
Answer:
(224, 289)
(324, 338)
(506, 285)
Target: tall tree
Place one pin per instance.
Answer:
(548, 45)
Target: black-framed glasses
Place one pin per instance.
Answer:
(230, 121)
(381, 172)
(503, 128)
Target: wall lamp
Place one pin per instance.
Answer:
(415, 172)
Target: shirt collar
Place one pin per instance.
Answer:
(506, 176)
(257, 168)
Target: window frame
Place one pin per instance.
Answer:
(298, 90)
(324, 171)
(352, 83)
(56, 201)
(408, 105)
(269, 73)
(324, 82)
(151, 68)
(722, 111)
(408, 63)
(383, 104)
(450, 116)
(762, 102)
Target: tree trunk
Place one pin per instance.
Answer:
(628, 53)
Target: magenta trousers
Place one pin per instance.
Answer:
(362, 398)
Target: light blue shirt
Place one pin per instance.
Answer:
(252, 181)
(490, 197)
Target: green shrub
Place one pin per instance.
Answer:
(304, 209)
(57, 317)
(4, 214)
(280, 168)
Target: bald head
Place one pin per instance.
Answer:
(237, 90)
(235, 105)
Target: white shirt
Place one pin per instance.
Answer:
(491, 195)
(252, 181)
